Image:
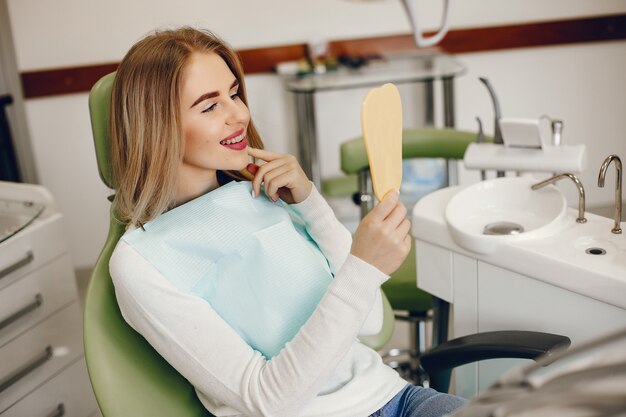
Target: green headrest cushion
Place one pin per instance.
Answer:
(416, 143)
(99, 100)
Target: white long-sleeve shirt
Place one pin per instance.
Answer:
(323, 371)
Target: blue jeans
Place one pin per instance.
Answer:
(414, 401)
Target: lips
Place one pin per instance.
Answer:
(238, 145)
(234, 135)
(237, 141)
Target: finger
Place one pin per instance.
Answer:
(382, 210)
(262, 173)
(407, 242)
(404, 228)
(263, 154)
(397, 214)
(256, 184)
(393, 220)
(277, 178)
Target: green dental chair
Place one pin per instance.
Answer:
(129, 378)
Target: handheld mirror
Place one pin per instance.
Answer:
(381, 122)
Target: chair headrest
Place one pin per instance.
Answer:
(99, 99)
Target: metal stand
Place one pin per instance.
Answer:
(421, 68)
(307, 134)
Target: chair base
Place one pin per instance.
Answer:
(406, 361)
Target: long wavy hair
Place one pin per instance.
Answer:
(147, 143)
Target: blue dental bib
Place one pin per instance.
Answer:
(251, 259)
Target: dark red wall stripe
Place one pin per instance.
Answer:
(50, 82)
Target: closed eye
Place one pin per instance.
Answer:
(210, 108)
(235, 96)
(237, 91)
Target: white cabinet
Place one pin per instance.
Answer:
(42, 370)
(66, 393)
(486, 298)
(550, 284)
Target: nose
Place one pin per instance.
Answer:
(237, 112)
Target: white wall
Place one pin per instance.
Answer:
(75, 32)
(582, 84)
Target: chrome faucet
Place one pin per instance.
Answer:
(618, 188)
(581, 192)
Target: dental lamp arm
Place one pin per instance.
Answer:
(410, 7)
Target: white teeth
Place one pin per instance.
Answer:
(233, 140)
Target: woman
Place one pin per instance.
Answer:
(200, 240)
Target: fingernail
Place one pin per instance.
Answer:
(253, 194)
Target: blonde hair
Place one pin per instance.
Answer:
(144, 126)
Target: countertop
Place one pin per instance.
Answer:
(559, 259)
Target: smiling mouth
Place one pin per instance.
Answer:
(236, 143)
(234, 139)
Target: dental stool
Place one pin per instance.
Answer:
(410, 303)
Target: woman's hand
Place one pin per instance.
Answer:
(382, 238)
(282, 175)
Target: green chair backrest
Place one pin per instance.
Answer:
(444, 143)
(128, 377)
(99, 99)
(379, 340)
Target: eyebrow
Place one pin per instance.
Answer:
(212, 94)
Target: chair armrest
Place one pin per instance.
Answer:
(439, 361)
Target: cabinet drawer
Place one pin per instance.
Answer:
(31, 299)
(69, 392)
(30, 248)
(35, 356)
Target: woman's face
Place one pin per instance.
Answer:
(214, 119)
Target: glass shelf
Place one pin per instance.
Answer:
(16, 215)
(398, 68)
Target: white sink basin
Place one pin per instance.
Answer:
(504, 205)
